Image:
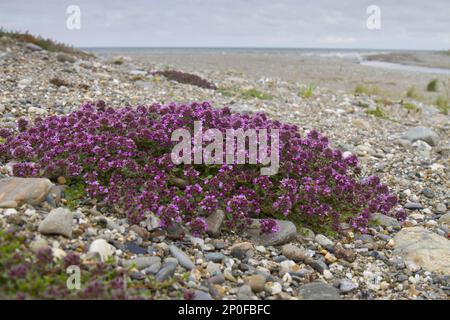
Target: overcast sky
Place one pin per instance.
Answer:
(405, 24)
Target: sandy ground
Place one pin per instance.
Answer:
(327, 72)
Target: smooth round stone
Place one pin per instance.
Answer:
(413, 206)
(183, 258)
(256, 282)
(347, 285)
(318, 291)
(59, 222)
(215, 256)
(428, 193)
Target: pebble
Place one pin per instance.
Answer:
(218, 278)
(261, 249)
(256, 282)
(428, 193)
(273, 288)
(441, 208)
(214, 256)
(142, 262)
(287, 232)
(33, 47)
(183, 258)
(214, 222)
(293, 252)
(134, 248)
(385, 220)
(346, 285)
(213, 268)
(153, 269)
(57, 222)
(323, 241)
(38, 244)
(167, 271)
(244, 292)
(218, 244)
(318, 291)
(102, 248)
(202, 295)
(327, 274)
(422, 133)
(445, 219)
(413, 206)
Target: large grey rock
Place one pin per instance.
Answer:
(214, 222)
(318, 291)
(385, 220)
(285, 234)
(424, 248)
(15, 192)
(183, 258)
(58, 221)
(422, 133)
(63, 57)
(33, 47)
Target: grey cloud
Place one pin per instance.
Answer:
(286, 23)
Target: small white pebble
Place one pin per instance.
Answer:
(261, 249)
(327, 274)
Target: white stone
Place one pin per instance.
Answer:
(327, 274)
(273, 288)
(103, 248)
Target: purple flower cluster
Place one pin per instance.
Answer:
(123, 157)
(184, 77)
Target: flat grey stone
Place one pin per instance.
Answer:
(183, 258)
(287, 233)
(166, 272)
(214, 222)
(385, 220)
(318, 291)
(422, 133)
(58, 221)
(142, 262)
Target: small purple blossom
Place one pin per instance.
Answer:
(269, 226)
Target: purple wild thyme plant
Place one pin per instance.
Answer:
(122, 156)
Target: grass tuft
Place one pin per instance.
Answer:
(46, 44)
(362, 89)
(432, 86)
(254, 93)
(443, 104)
(307, 92)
